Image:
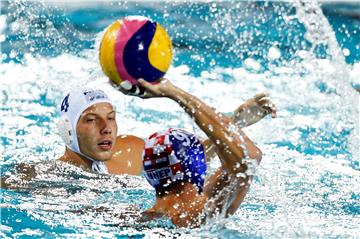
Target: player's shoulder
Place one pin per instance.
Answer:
(130, 140)
(127, 155)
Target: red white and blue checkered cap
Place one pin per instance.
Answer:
(174, 155)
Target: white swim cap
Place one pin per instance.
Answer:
(71, 108)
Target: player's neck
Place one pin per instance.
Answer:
(75, 158)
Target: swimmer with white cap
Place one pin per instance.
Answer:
(88, 127)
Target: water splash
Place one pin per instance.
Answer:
(40, 29)
(320, 33)
(305, 174)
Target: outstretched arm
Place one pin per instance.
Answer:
(248, 113)
(231, 143)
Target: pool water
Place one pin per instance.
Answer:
(304, 54)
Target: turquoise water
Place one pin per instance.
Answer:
(305, 55)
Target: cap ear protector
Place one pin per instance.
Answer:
(65, 130)
(67, 134)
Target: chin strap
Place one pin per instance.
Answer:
(97, 166)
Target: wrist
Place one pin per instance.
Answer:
(173, 92)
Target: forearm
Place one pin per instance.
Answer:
(226, 190)
(231, 143)
(210, 149)
(236, 118)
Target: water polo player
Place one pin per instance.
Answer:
(88, 127)
(131, 48)
(177, 173)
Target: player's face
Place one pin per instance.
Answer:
(96, 131)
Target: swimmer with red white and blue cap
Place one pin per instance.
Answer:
(175, 167)
(174, 160)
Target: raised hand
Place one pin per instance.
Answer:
(145, 89)
(253, 110)
(129, 89)
(161, 89)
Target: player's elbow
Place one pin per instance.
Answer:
(255, 153)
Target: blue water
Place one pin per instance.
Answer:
(308, 184)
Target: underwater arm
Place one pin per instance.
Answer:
(24, 173)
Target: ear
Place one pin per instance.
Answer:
(65, 130)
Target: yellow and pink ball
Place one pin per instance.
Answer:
(135, 47)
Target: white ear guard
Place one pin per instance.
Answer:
(65, 130)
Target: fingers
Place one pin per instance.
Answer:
(271, 109)
(143, 83)
(130, 89)
(265, 102)
(268, 106)
(155, 89)
(259, 96)
(125, 85)
(142, 89)
(273, 112)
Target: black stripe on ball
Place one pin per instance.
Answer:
(136, 59)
